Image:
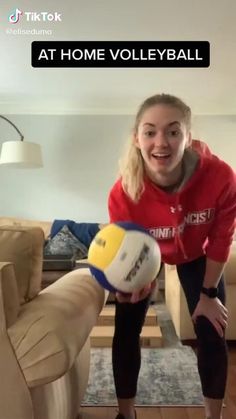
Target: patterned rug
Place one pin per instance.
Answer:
(168, 377)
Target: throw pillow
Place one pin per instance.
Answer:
(65, 243)
(84, 232)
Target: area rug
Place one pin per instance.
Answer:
(168, 377)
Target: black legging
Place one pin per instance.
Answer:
(212, 350)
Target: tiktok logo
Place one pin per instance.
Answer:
(15, 16)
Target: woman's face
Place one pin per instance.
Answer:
(162, 137)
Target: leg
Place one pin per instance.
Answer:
(212, 358)
(126, 353)
(212, 350)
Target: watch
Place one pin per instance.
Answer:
(210, 292)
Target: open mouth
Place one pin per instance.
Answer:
(161, 156)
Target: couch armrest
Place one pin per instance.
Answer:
(177, 305)
(15, 401)
(230, 267)
(9, 300)
(52, 328)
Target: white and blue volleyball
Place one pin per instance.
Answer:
(124, 257)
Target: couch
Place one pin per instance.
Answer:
(44, 335)
(177, 306)
(22, 222)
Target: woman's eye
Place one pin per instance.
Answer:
(149, 133)
(173, 133)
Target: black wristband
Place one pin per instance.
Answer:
(210, 292)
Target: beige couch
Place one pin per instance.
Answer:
(177, 306)
(44, 335)
(21, 222)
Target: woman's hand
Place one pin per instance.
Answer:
(136, 296)
(214, 310)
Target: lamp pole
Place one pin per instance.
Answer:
(11, 123)
(21, 153)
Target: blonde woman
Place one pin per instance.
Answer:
(186, 197)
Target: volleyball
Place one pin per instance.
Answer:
(124, 257)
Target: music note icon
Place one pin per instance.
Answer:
(15, 16)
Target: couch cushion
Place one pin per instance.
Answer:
(21, 222)
(24, 248)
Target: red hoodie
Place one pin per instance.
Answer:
(197, 220)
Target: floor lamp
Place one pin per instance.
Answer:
(20, 154)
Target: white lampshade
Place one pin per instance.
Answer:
(21, 154)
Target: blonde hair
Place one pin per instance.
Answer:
(131, 165)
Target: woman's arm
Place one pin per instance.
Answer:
(213, 273)
(220, 236)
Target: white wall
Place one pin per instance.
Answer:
(80, 163)
(220, 134)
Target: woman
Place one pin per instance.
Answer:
(186, 197)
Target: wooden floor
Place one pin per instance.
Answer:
(175, 412)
